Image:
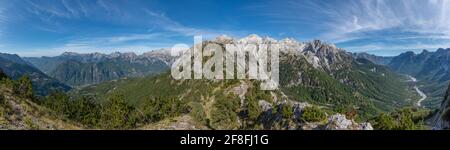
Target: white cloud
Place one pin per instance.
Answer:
(3, 18)
(347, 20)
(121, 39)
(378, 15)
(144, 28)
(161, 20)
(51, 10)
(115, 13)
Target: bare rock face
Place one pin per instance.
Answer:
(334, 122)
(340, 122)
(298, 108)
(161, 54)
(251, 39)
(184, 122)
(442, 117)
(224, 39)
(240, 90)
(366, 126)
(265, 106)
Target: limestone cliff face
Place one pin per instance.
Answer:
(442, 118)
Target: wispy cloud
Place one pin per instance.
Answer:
(426, 17)
(349, 20)
(116, 13)
(357, 25)
(168, 24)
(3, 18)
(101, 25)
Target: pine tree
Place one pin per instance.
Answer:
(384, 122)
(23, 87)
(117, 113)
(2, 75)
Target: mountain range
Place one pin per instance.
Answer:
(311, 73)
(15, 67)
(381, 60)
(430, 68)
(83, 69)
(319, 84)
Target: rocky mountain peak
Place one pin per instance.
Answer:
(405, 55)
(251, 39)
(12, 57)
(161, 54)
(69, 54)
(443, 52)
(318, 53)
(268, 39)
(440, 50)
(289, 41)
(126, 55)
(157, 52)
(224, 39)
(319, 46)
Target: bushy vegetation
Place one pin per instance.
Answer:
(156, 109)
(2, 75)
(404, 119)
(384, 122)
(82, 110)
(313, 114)
(117, 113)
(287, 111)
(209, 103)
(225, 113)
(197, 112)
(23, 87)
(113, 113)
(252, 110)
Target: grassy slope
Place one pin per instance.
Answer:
(22, 113)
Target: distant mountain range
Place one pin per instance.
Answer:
(348, 85)
(313, 72)
(381, 60)
(426, 65)
(430, 68)
(15, 67)
(83, 69)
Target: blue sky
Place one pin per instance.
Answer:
(382, 27)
